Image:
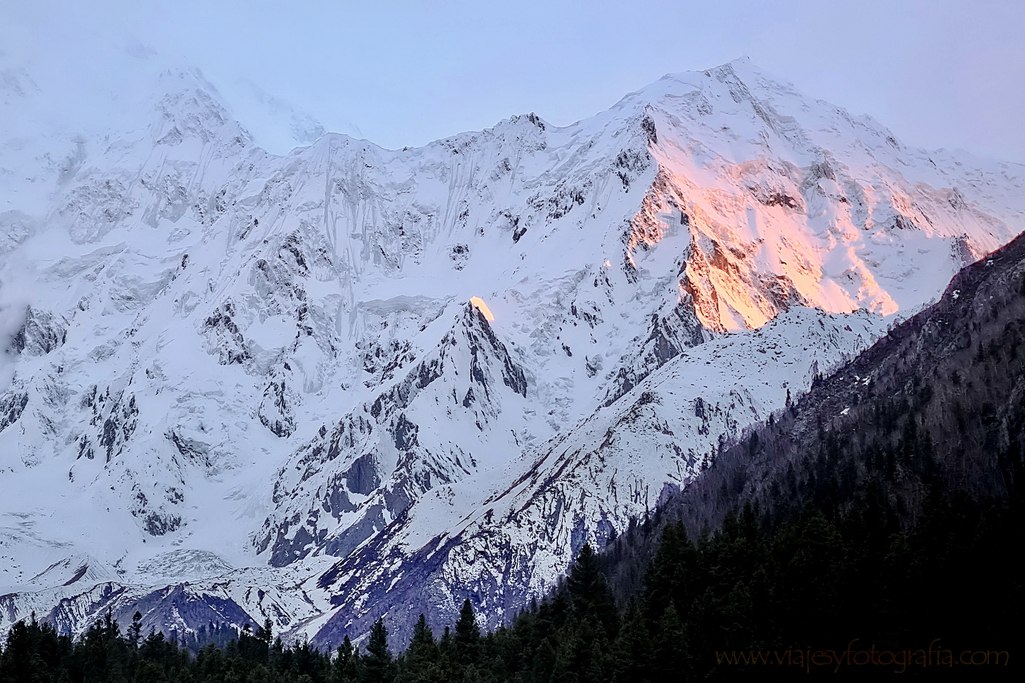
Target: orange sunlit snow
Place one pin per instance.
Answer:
(479, 304)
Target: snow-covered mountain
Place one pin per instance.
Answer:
(348, 380)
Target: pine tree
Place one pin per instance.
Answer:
(135, 630)
(467, 636)
(378, 666)
(420, 661)
(632, 648)
(572, 654)
(601, 661)
(673, 566)
(265, 632)
(542, 663)
(346, 665)
(589, 592)
(669, 648)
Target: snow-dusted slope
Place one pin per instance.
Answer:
(303, 385)
(586, 484)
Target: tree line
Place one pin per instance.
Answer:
(826, 577)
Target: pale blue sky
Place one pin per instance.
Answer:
(937, 72)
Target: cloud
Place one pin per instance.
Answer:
(14, 303)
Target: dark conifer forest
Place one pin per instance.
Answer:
(871, 529)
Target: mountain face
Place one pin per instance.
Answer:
(936, 402)
(349, 381)
(929, 420)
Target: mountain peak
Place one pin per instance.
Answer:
(741, 69)
(190, 106)
(739, 65)
(290, 360)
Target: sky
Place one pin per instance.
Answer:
(939, 73)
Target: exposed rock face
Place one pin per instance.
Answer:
(40, 334)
